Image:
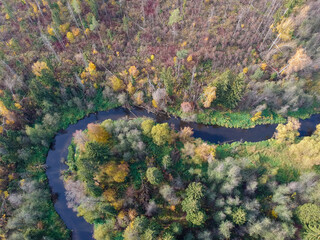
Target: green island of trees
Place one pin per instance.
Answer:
(135, 179)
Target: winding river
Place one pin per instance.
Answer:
(81, 230)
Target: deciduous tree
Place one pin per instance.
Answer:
(161, 133)
(154, 175)
(97, 133)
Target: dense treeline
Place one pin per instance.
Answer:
(231, 63)
(135, 179)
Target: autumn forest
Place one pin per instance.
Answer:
(224, 63)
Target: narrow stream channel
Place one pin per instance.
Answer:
(81, 230)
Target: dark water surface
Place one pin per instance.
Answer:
(81, 230)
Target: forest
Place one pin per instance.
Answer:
(230, 63)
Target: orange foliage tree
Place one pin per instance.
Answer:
(10, 118)
(113, 172)
(97, 133)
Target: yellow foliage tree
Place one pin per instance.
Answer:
(306, 153)
(138, 97)
(116, 83)
(50, 30)
(264, 66)
(154, 103)
(147, 126)
(205, 152)
(64, 27)
(91, 68)
(209, 95)
(34, 7)
(18, 105)
(110, 195)
(90, 72)
(185, 134)
(113, 172)
(118, 204)
(70, 37)
(97, 133)
(257, 116)
(38, 67)
(288, 132)
(299, 61)
(130, 88)
(285, 29)
(133, 71)
(10, 118)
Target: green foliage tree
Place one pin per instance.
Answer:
(166, 161)
(97, 152)
(258, 74)
(167, 77)
(195, 191)
(239, 216)
(191, 204)
(168, 236)
(306, 152)
(225, 229)
(229, 89)
(38, 134)
(309, 213)
(175, 17)
(94, 24)
(176, 228)
(55, 13)
(312, 232)
(154, 175)
(104, 231)
(149, 234)
(181, 54)
(136, 228)
(76, 4)
(196, 217)
(94, 7)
